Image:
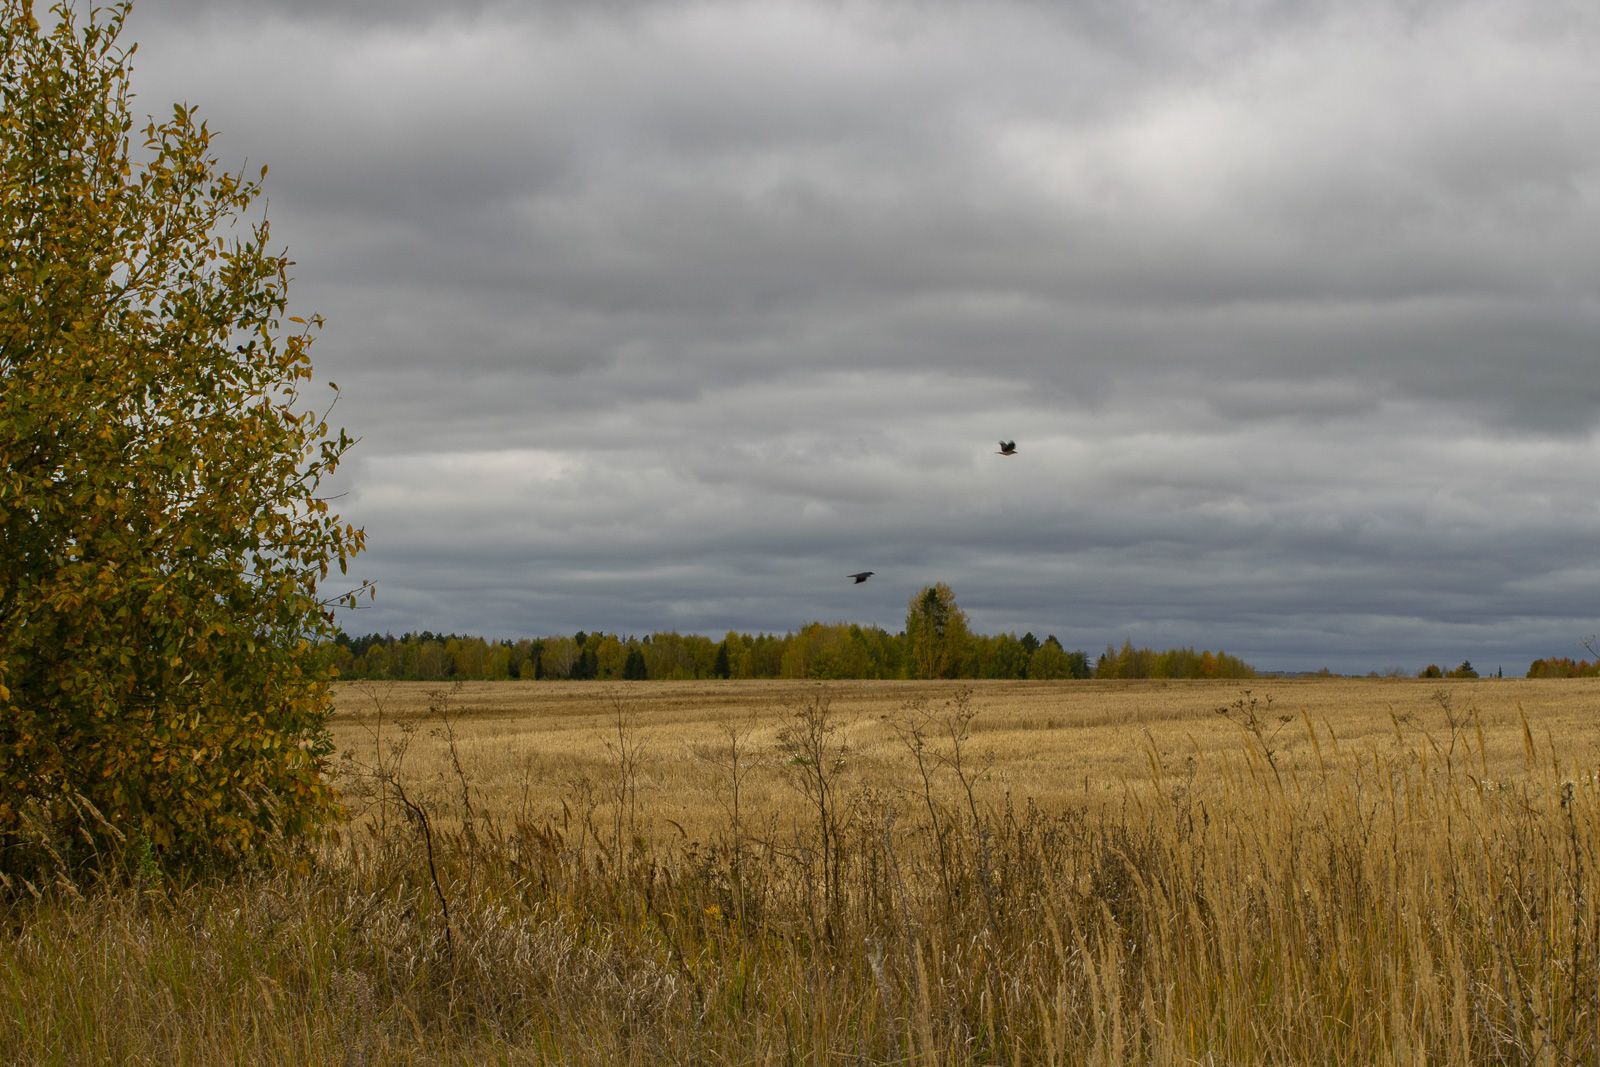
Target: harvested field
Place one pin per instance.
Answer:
(528, 747)
(1350, 872)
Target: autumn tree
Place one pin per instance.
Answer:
(1563, 667)
(1131, 662)
(557, 657)
(163, 695)
(1051, 661)
(827, 651)
(1007, 658)
(765, 657)
(610, 656)
(937, 635)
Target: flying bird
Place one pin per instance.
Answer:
(1007, 448)
(862, 576)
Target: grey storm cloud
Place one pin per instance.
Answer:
(670, 315)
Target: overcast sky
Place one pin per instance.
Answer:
(671, 315)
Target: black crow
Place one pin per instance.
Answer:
(862, 576)
(1007, 448)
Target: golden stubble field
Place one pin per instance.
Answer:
(537, 749)
(1352, 872)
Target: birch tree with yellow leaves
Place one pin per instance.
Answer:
(164, 540)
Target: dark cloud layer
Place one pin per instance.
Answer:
(672, 314)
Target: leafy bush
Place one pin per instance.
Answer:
(161, 693)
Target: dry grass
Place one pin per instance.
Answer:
(530, 748)
(1353, 873)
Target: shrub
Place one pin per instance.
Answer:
(161, 693)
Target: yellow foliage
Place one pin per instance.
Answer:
(159, 498)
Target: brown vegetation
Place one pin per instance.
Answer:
(1320, 871)
(530, 749)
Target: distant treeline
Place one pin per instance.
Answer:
(819, 650)
(1563, 667)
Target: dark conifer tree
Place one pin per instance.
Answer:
(633, 668)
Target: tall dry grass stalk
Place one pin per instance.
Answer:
(1360, 903)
